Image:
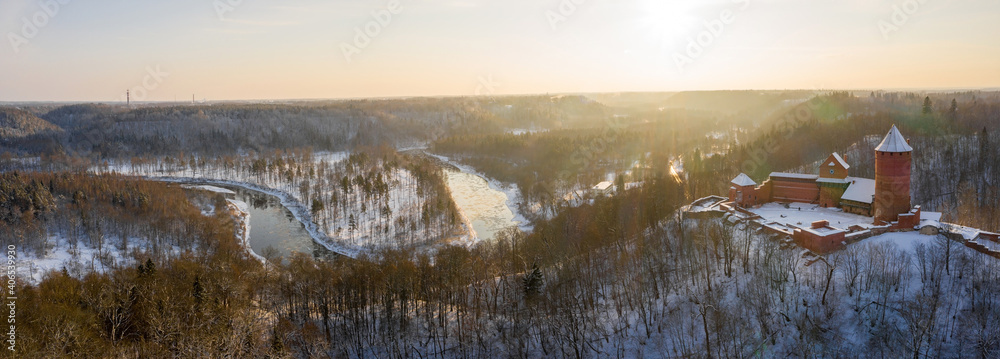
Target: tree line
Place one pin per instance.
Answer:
(625, 276)
(372, 197)
(952, 147)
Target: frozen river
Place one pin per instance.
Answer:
(485, 207)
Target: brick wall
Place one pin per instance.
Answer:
(830, 194)
(892, 185)
(744, 196)
(794, 190)
(819, 244)
(838, 170)
(859, 208)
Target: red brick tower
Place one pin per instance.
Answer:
(742, 192)
(892, 177)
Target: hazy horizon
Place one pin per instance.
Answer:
(70, 51)
(179, 100)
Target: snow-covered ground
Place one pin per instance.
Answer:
(528, 131)
(804, 214)
(330, 157)
(904, 241)
(968, 233)
(710, 203)
(212, 189)
(991, 245)
(82, 258)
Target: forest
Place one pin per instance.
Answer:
(372, 197)
(949, 131)
(953, 136)
(102, 131)
(106, 210)
(623, 277)
(154, 270)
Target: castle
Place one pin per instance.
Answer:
(886, 198)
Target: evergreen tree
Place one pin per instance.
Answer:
(984, 150)
(928, 107)
(953, 110)
(197, 291)
(150, 267)
(277, 345)
(317, 206)
(533, 282)
(352, 225)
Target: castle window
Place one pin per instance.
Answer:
(831, 171)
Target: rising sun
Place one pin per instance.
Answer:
(667, 21)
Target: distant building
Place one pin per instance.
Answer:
(603, 188)
(886, 198)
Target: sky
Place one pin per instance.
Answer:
(95, 50)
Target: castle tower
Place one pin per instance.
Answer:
(742, 191)
(892, 177)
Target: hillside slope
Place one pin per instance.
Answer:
(17, 123)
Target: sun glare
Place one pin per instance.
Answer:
(667, 22)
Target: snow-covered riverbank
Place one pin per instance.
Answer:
(510, 191)
(298, 210)
(241, 213)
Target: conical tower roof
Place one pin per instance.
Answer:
(743, 180)
(894, 142)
